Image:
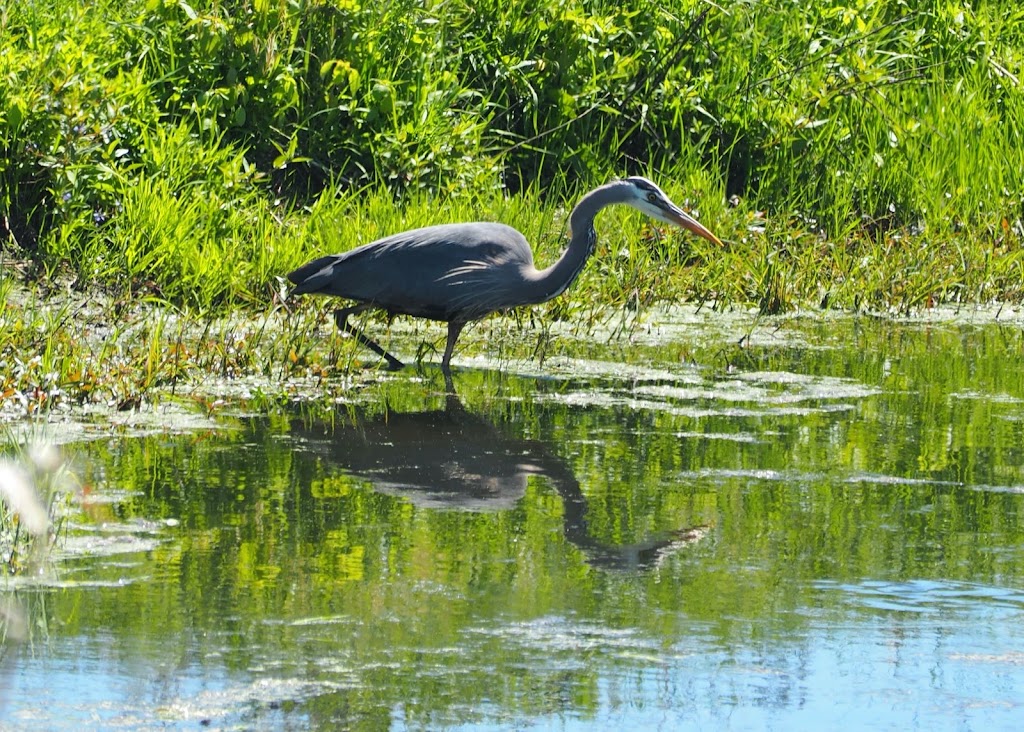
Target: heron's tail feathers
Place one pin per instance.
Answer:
(314, 275)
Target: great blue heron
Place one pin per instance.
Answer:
(457, 273)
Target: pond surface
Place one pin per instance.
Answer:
(727, 523)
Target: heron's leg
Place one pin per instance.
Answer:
(341, 318)
(454, 330)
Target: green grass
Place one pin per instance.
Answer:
(185, 156)
(189, 150)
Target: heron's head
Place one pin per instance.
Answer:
(650, 199)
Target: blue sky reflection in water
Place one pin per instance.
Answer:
(822, 527)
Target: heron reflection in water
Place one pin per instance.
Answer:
(453, 459)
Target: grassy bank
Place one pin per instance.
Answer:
(197, 151)
(183, 156)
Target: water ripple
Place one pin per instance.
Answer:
(928, 596)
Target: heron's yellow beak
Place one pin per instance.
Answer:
(682, 219)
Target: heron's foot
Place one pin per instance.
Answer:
(390, 364)
(341, 318)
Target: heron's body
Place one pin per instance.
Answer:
(430, 270)
(457, 273)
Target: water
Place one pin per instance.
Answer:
(723, 524)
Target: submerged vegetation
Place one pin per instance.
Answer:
(182, 156)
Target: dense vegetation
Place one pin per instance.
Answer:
(858, 153)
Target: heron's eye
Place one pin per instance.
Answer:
(652, 197)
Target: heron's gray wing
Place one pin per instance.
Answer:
(452, 271)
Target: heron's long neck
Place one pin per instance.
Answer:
(552, 281)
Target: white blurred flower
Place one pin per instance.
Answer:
(17, 491)
(45, 457)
